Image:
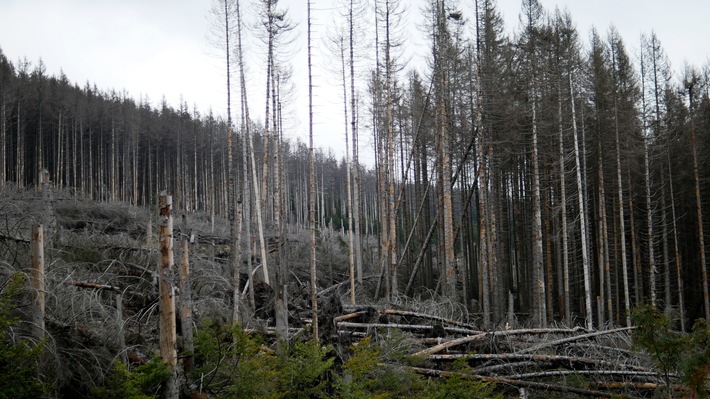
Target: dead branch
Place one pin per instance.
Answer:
(483, 336)
(557, 373)
(403, 327)
(574, 338)
(519, 383)
(430, 317)
(82, 284)
(14, 239)
(570, 360)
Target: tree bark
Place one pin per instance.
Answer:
(37, 280)
(582, 219)
(166, 277)
(312, 190)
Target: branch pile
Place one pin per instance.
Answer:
(568, 360)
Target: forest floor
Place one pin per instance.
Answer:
(103, 258)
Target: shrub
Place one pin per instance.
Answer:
(142, 383)
(687, 356)
(19, 358)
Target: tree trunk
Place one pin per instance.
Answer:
(166, 276)
(312, 190)
(186, 303)
(563, 214)
(349, 205)
(37, 280)
(582, 219)
(356, 165)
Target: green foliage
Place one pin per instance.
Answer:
(304, 371)
(459, 386)
(375, 370)
(142, 383)
(687, 356)
(233, 364)
(696, 367)
(19, 359)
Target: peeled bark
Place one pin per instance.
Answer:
(166, 276)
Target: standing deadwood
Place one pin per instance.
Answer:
(236, 278)
(3, 140)
(698, 203)
(247, 148)
(166, 279)
(450, 283)
(356, 165)
(186, 303)
(247, 132)
(392, 240)
(622, 226)
(539, 304)
(49, 222)
(653, 46)
(679, 275)
(563, 211)
(617, 56)
(281, 308)
(37, 279)
(312, 189)
(351, 252)
(482, 188)
(588, 317)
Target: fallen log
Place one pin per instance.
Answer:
(521, 383)
(558, 373)
(486, 335)
(406, 313)
(571, 360)
(574, 338)
(409, 327)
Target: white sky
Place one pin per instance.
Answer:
(162, 47)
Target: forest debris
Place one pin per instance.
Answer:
(520, 383)
(556, 359)
(492, 334)
(575, 338)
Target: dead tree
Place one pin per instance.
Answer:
(166, 278)
(37, 279)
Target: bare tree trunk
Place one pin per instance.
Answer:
(351, 253)
(392, 240)
(247, 124)
(37, 280)
(312, 190)
(539, 305)
(647, 180)
(582, 219)
(449, 276)
(482, 188)
(622, 227)
(679, 276)
(166, 276)
(699, 210)
(563, 213)
(356, 165)
(280, 238)
(186, 302)
(636, 256)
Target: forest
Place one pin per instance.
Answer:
(532, 184)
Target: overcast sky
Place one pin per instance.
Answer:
(162, 48)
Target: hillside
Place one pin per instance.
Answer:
(102, 306)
